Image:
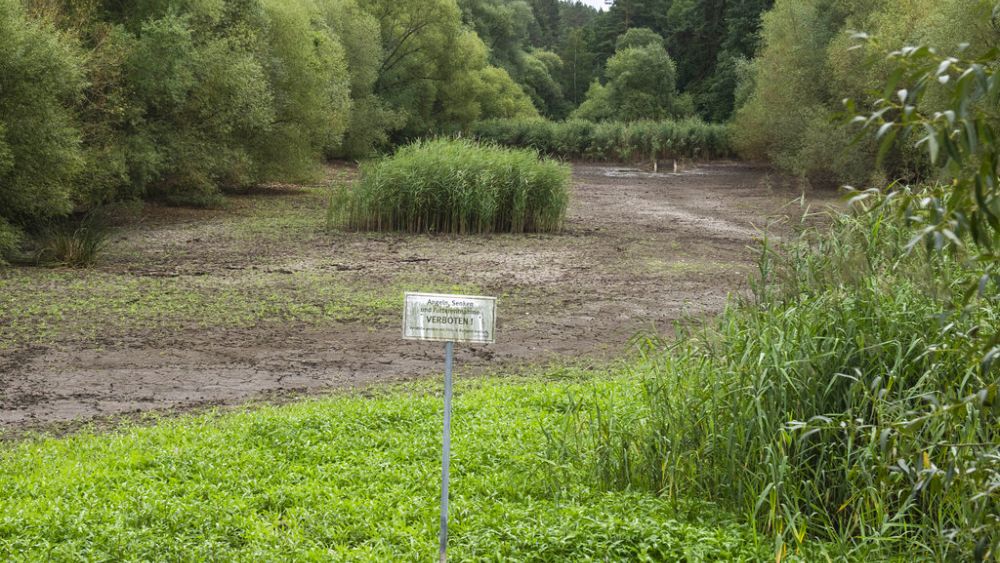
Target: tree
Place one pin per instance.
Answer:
(548, 23)
(806, 68)
(638, 37)
(578, 68)
(40, 77)
(372, 119)
(705, 37)
(641, 82)
(429, 63)
(537, 70)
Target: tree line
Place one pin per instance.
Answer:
(791, 104)
(104, 100)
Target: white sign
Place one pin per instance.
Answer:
(449, 318)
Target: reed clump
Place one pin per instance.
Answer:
(848, 403)
(455, 186)
(617, 141)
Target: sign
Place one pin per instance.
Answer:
(449, 318)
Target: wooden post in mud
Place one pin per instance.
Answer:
(448, 319)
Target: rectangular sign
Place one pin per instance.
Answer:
(449, 318)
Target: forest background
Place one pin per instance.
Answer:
(103, 101)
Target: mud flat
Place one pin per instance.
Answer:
(190, 308)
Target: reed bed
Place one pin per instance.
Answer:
(458, 187)
(847, 402)
(638, 141)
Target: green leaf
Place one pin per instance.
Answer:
(931, 139)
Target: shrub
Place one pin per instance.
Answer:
(610, 140)
(183, 98)
(456, 186)
(843, 403)
(40, 75)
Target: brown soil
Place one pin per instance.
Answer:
(639, 251)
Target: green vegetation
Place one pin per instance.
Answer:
(184, 101)
(848, 407)
(793, 114)
(456, 186)
(38, 143)
(711, 42)
(844, 402)
(72, 243)
(610, 140)
(179, 100)
(43, 306)
(148, 286)
(962, 141)
(641, 83)
(343, 478)
(854, 398)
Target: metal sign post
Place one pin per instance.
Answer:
(449, 319)
(449, 350)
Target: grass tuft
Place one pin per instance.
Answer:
(72, 243)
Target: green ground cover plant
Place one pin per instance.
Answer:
(348, 478)
(145, 285)
(615, 141)
(456, 186)
(39, 306)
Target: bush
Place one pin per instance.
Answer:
(40, 75)
(844, 402)
(456, 186)
(610, 140)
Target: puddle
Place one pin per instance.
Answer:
(666, 172)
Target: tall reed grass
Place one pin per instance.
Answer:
(846, 401)
(455, 186)
(639, 141)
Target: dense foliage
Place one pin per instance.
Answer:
(711, 41)
(39, 77)
(856, 397)
(104, 100)
(832, 405)
(181, 99)
(456, 186)
(641, 83)
(639, 141)
(793, 115)
(962, 216)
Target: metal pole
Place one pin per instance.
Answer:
(446, 452)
